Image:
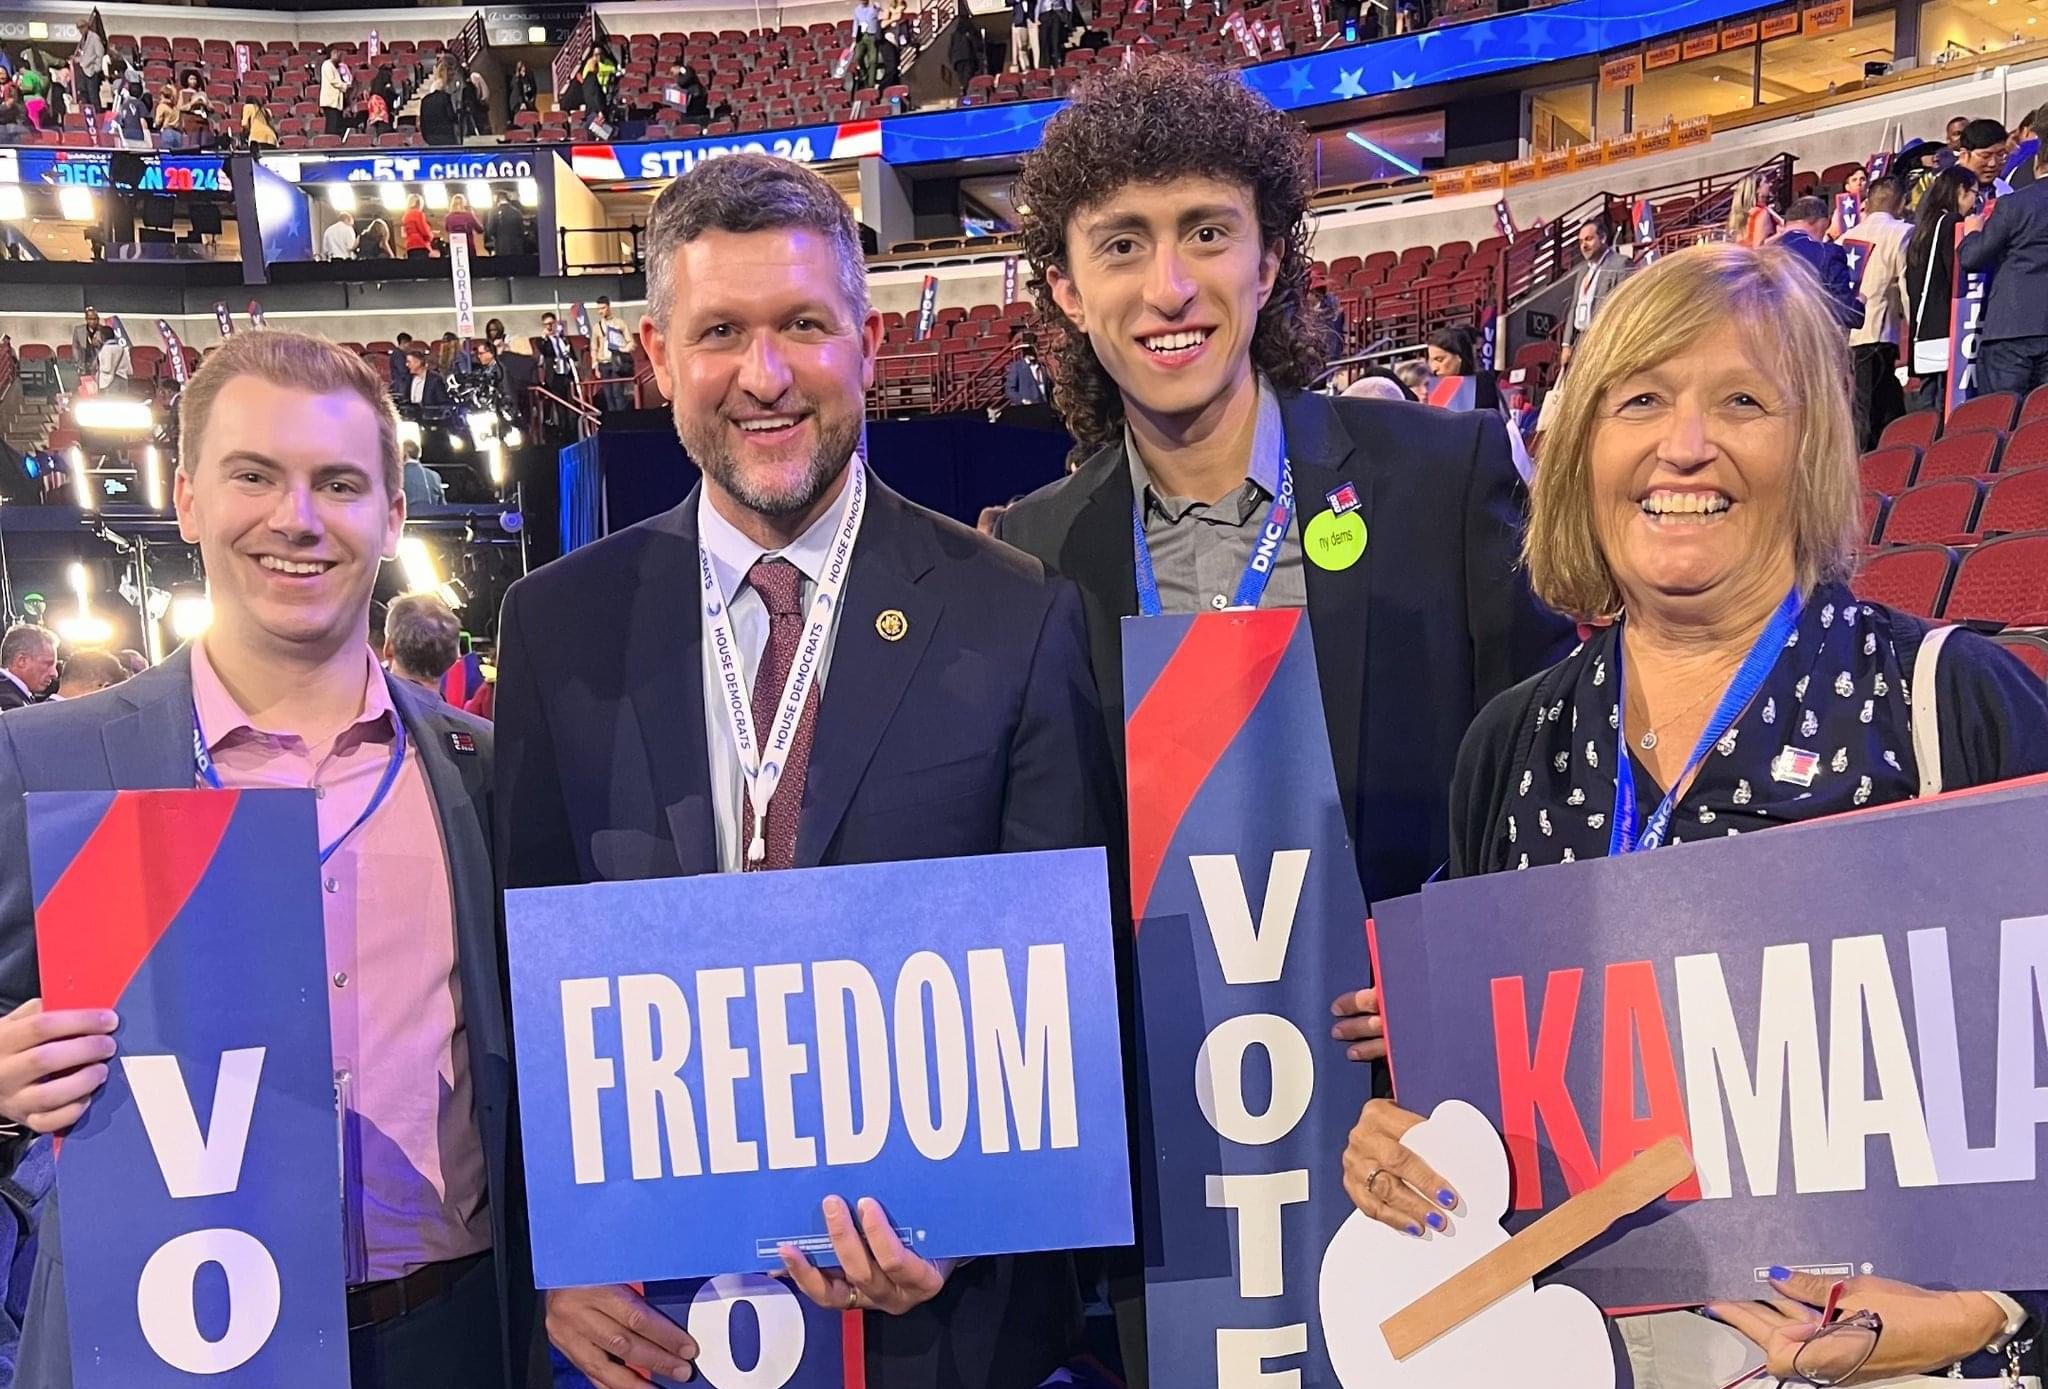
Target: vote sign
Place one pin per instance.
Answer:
(1840, 1018)
(1250, 920)
(201, 1193)
(703, 1060)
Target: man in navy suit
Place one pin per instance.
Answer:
(1805, 233)
(2013, 242)
(1024, 380)
(950, 712)
(289, 484)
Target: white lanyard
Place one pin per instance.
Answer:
(763, 774)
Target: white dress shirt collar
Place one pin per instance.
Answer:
(733, 554)
(15, 680)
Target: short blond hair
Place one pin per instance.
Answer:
(1768, 295)
(298, 361)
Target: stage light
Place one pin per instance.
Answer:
(514, 437)
(392, 196)
(81, 584)
(106, 414)
(408, 432)
(418, 563)
(529, 192)
(342, 198)
(84, 628)
(191, 614)
(479, 193)
(153, 477)
(436, 195)
(13, 203)
(75, 203)
(455, 443)
(88, 500)
(495, 453)
(483, 424)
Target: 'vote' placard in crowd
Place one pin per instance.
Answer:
(703, 1060)
(1842, 1019)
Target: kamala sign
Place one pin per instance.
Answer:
(719, 1054)
(1842, 1019)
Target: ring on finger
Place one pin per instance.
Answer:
(1372, 1181)
(852, 1298)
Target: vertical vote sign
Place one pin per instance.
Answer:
(465, 303)
(201, 1192)
(1966, 328)
(1249, 919)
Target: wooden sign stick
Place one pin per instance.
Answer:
(1495, 1274)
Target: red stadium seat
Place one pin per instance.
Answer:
(1887, 470)
(2030, 647)
(2028, 448)
(1970, 454)
(1875, 504)
(1919, 429)
(2017, 501)
(2002, 580)
(2036, 406)
(1982, 412)
(1913, 578)
(1933, 512)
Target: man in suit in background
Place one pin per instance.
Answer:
(952, 712)
(28, 663)
(1024, 380)
(289, 486)
(1604, 268)
(424, 394)
(2013, 241)
(1805, 236)
(1184, 375)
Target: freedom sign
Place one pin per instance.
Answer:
(1249, 920)
(201, 1192)
(757, 1332)
(718, 1054)
(1840, 1018)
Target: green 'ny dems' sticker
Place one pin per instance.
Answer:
(1333, 541)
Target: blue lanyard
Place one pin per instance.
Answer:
(208, 773)
(1749, 678)
(1258, 569)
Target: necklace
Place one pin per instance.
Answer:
(1648, 741)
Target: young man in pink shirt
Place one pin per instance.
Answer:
(289, 483)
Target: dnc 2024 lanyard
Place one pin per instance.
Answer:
(208, 773)
(1749, 678)
(761, 766)
(1258, 569)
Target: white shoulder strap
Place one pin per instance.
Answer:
(1926, 715)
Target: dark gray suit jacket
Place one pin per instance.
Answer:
(138, 736)
(2014, 243)
(1608, 273)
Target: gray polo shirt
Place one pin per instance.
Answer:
(1199, 552)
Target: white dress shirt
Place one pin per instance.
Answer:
(419, 387)
(732, 555)
(26, 693)
(338, 242)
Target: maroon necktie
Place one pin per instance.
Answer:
(781, 586)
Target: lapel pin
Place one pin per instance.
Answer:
(464, 743)
(1342, 498)
(892, 624)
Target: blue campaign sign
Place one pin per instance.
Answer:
(1840, 1018)
(716, 1055)
(1250, 920)
(201, 1192)
(757, 1332)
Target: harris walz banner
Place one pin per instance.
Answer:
(1249, 920)
(1840, 1019)
(201, 1192)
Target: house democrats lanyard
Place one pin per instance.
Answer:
(1258, 570)
(208, 773)
(761, 762)
(1749, 678)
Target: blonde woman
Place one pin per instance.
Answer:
(1699, 497)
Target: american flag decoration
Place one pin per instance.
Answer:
(1858, 254)
(1795, 765)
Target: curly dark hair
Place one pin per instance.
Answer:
(1163, 119)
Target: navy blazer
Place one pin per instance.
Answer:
(975, 732)
(1830, 263)
(138, 736)
(1020, 387)
(2014, 243)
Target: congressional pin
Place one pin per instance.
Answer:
(464, 743)
(892, 624)
(1795, 765)
(1343, 498)
(1334, 539)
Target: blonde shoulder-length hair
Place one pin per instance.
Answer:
(1770, 297)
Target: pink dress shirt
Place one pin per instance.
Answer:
(414, 1168)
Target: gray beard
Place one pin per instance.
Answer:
(707, 449)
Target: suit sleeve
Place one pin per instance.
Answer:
(1993, 714)
(1985, 248)
(1061, 789)
(1512, 634)
(532, 835)
(18, 980)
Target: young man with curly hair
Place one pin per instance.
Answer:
(1167, 224)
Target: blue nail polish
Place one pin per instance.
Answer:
(1779, 1273)
(1447, 1197)
(1436, 1221)
(1415, 1230)
(1709, 1313)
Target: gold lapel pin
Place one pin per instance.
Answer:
(892, 624)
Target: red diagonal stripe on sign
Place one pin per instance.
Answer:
(1210, 685)
(121, 892)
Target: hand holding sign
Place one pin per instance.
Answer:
(1924, 1331)
(52, 1064)
(1359, 1023)
(876, 1272)
(609, 1333)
